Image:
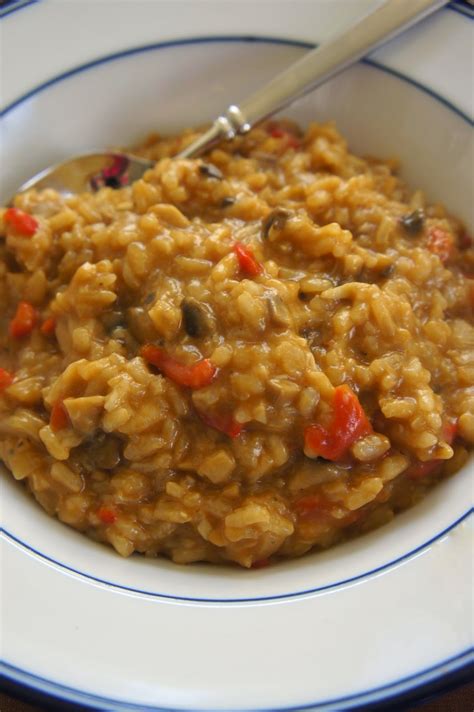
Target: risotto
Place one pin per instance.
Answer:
(236, 358)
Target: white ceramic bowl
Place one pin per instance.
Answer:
(330, 630)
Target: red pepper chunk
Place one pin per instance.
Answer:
(24, 320)
(450, 430)
(48, 326)
(196, 376)
(311, 506)
(349, 424)
(440, 243)
(107, 515)
(59, 418)
(21, 222)
(290, 139)
(420, 469)
(223, 423)
(260, 564)
(6, 379)
(247, 262)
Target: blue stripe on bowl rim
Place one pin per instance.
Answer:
(463, 7)
(208, 39)
(411, 682)
(384, 693)
(11, 6)
(254, 599)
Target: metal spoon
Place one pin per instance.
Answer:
(91, 171)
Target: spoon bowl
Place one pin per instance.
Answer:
(89, 172)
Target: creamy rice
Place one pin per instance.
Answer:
(236, 358)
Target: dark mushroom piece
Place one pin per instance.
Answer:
(150, 298)
(227, 201)
(210, 171)
(413, 222)
(314, 335)
(278, 311)
(274, 221)
(265, 158)
(102, 451)
(111, 320)
(198, 319)
(140, 325)
(109, 454)
(12, 263)
(387, 271)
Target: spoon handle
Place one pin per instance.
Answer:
(315, 68)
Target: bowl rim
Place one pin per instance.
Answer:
(462, 7)
(221, 38)
(456, 666)
(247, 599)
(253, 39)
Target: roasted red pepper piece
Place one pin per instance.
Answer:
(247, 262)
(20, 221)
(440, 243)
(195, 376)
(450, 430)
(24, 320)
(311, 506)
(349, 423)
(6, 379)
(418, 470)
(224, 423)
(107, 515)
(48, 326)
(465, 241)
(260, 564)
(290, 139)
(59, 418)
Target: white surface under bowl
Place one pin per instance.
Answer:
(88, 626)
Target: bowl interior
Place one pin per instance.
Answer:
(166, 89)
